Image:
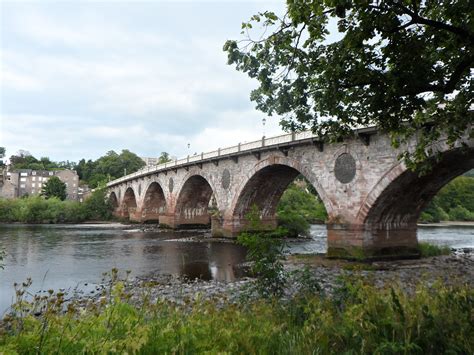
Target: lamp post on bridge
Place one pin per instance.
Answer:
(264, 120)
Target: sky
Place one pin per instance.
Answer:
(80, 78)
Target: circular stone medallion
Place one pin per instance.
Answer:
(226, 179)
(171, 184)
(345, 168)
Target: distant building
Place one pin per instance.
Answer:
(83, 192)
(155, 161)
(150, 161)
(27, 182)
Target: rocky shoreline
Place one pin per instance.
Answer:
(323, 274)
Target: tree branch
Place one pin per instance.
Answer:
(436, 24)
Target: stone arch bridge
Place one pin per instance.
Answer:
(373, 201)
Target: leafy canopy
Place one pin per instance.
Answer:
(54, 187)
(404, 66)
(108, 167)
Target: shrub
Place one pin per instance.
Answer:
(427, 250)
(358, 319)
(460, 213)
(97, 206)
(37, 209)
(266, 255)
(454, 202)
(293, 222)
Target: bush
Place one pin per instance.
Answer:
(37, 209)
(454, 202)
(460, 213)
(427, 250)
(97, 206)
(297, 209)
(266, 255)
(293, 222)
(358, 319)
(434, 214)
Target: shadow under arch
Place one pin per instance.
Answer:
(401, 195)
(264, 188)
(113, 200)
(154, 203)
(129, 204)
(192, 204)
(391, 210)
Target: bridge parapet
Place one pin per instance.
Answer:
(264, 143)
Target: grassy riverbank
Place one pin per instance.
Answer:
(357, 318)
(36, 209)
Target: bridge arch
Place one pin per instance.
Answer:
(386, 223)
(129, 204)
(113, 200)
(154, 202)
(193, 199)
(264, 185)
(400, 195)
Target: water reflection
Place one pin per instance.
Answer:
(66, 257)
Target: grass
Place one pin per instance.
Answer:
(357, 319)
(427, 250)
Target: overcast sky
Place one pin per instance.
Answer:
(80, 78)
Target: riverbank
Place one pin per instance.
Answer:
(320, 273)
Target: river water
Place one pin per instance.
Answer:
(69, 256)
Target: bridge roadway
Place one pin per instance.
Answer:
(372, 200)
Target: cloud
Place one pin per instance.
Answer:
(81, 79)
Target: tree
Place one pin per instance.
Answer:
(98, 207)
(164, 158)
(2, 155)
(403, 66)
(54, 187)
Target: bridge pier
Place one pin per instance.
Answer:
(176, 221)
(230, 228)
(150, 215)
(372, 242)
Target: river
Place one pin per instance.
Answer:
(69, 256)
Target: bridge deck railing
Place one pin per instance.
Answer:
(206, 156)
(241, 147)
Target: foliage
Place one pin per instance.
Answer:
(98, 206)
(36, 209)
(24, 160)
(266, 255)
(403, 66)
(427, 250)
(454, 202)
(299, 198)
(2, 256)
(2, 155)
(359, 319)
(299, 207)
(54, 187)
(164, 158)
(108, 167)
(293, 222)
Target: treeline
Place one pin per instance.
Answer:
(37, 209)
(23, 160)
(108, 167)
(94, 173)
(454, 202)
